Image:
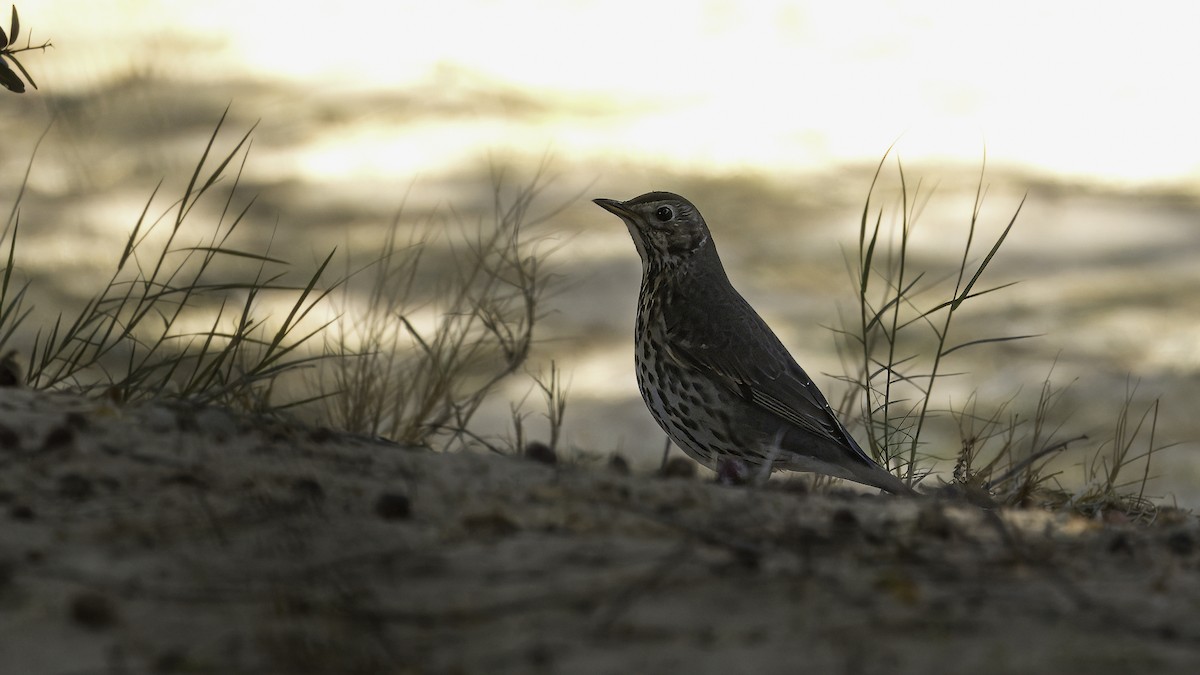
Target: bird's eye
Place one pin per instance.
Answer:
(664, 213)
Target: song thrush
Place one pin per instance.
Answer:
(713, 374)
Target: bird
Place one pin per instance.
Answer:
(713, 374)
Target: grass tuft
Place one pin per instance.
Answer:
(129, 340)
(409, 368)
(898, 305)
(901, 342)
(202, 318)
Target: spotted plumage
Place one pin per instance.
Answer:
(713, 374)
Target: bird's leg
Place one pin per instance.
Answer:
(733, 471)
(764, 472)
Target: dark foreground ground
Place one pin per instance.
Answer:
(161, 539)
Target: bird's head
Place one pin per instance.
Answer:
(666, 228)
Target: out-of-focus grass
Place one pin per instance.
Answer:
(409, 369)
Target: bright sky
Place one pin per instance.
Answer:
(1093, 90)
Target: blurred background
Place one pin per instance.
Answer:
(771, 116)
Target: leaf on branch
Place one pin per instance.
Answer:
(9, 79)
(23, 72)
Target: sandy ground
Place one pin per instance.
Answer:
(167, 539)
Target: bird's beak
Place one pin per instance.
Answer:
(614, 207)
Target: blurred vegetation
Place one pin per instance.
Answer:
(187, 313)
(8, 52)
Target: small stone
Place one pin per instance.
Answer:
(11, 374)
(77, 421)
(618, 465)
(75, 486)
(308, 489)
(9, 438)
(21, 512)
(184, 478)
(58, 438)
(321, 435)
(540, 655)
(171, 661)
(93, 611)
(933, 521)
(542, 453)
(1181, 542)
(844, 521)
(1120, 543)
(393, 506)
(678, 467)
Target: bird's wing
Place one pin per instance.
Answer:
(736, 348)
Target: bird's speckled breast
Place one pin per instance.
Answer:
(685, 405)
